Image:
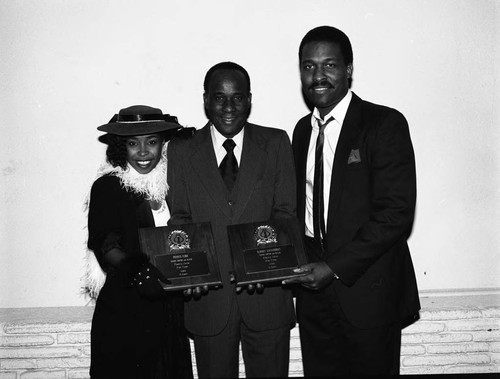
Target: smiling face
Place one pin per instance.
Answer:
(227, 101)
(324, 75)
(144, 152)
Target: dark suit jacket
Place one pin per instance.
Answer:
(265, 188)
(370, 215)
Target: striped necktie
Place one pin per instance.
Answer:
(319, 227)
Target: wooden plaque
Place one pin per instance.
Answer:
(185, 254)
(266, 251)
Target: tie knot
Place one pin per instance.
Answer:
(322, 125)
(229, 145)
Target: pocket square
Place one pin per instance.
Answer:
(354, 156)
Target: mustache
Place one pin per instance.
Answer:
(322, 83)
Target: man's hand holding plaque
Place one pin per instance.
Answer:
(266, 252)
(250, 288)
(196, 292)
(314, 276)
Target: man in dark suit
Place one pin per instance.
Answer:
(356, 202)
(251, 179)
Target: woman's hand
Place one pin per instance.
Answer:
(148, 281)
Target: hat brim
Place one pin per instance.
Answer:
(138, 128)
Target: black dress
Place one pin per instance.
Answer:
(131, 336)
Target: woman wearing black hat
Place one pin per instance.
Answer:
(137, 327)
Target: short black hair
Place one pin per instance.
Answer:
(331, 35)
(225, 66)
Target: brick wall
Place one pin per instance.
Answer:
(456, 334)
(49, 343)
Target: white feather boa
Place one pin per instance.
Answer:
(152, 186)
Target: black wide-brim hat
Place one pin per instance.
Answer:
(139, 120)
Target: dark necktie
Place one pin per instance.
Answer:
(229, 167)
(318, 195)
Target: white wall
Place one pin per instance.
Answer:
(68, 66)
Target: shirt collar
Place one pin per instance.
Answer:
(338, 112)
(219, 139)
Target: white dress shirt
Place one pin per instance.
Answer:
(332, 133)
(162, 215)
(220, 151)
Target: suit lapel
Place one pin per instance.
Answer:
(204, 164)
(349, 132)
(253, 157)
